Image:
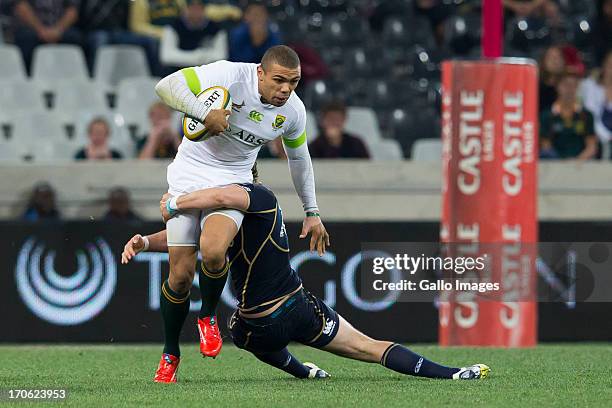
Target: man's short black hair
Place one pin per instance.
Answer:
(281, 55)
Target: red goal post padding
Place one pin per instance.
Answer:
(490, 134)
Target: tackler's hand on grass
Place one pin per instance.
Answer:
(216, 121)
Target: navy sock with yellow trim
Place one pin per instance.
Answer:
(212, 283)
(174, 309)
(284, 360)
(399, 358)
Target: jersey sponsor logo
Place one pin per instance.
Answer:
(66, 300)
(278, 122)
(329, 327)
(247, 137)
(255, 116)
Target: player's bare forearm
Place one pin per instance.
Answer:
(231, 196)
(138, 243)
(158, 242)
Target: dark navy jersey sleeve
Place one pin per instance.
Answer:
(261, 199)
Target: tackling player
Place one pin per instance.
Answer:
(274, 309)
(264, 108)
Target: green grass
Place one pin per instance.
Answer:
(101, 376)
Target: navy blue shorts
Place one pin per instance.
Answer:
(303, 318)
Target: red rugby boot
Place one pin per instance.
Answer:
(166, 371)
(210, 337)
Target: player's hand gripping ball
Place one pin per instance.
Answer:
(215, 97)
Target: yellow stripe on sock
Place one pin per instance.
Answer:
(173, 299)
(214, 275)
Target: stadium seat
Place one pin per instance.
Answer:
(362, 122)
(386, 149)
(344, 31)
(36, 134)
(20, 95)
(76, 95)
(136, 93)
(366, 62)
(318, 92)
(427, 150)
(408, 125)
(12, 67)
(134, 97)
(402, 32)
(58, 61)
(117, 62)
(580, 33)
(311, 26)
(527, 34)
(462, 33)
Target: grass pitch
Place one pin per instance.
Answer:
(108, 376)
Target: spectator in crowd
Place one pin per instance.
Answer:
(566, 130)
(106, 22)
(148, 17)
(273, 150)
(333, 142)
(119, 206)
(163, 139)
(41, 205)
(603, 29)
(193, 39)
(596, 94)
(250, 40)
(98, 148)
(45, 22)
(552, 67)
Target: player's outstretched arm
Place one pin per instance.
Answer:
(302, 174)
(138, 243)
(232, 196)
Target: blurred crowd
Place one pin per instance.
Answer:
(389, 51)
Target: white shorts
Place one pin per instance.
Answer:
(184, 177)
(185, 228)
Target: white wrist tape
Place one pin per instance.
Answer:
(145, 240)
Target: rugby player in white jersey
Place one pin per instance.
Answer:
(264, 107)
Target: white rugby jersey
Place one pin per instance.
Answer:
(252, 123)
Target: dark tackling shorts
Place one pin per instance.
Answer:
(303, 318)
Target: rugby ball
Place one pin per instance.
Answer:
(215, 97)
